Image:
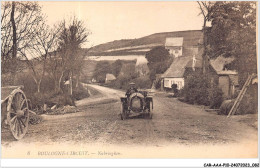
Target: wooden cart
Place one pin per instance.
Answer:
(15, 110)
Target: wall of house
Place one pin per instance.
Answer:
(175, 51)
(169, 81)
(224, 84)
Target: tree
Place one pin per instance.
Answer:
(116, 67)
(205, 8)
(17, 22)
(233, 34)
(102, 68)
(159, 61)
(37, 52)
(72, 36)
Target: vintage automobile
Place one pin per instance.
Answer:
(136, 103)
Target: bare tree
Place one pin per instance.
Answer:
(205, 7)
(17, 22)
(36, 54)
(73, 35)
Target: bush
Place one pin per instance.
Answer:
(102, 68)
(80, 93)
(157, 83)
(48, 95)
(122, 82)
(215, 96)
(198, 90)
(195, 89)
(249, 103)
(142, 82)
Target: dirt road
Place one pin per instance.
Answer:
(173, 123)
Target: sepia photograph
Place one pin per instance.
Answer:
(129, 80)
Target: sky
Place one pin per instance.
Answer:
(109, 21)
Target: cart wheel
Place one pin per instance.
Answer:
(17, 113)
(122, 114)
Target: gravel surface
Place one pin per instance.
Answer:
(174, 122)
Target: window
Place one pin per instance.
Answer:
(176, 51)
(166, 83)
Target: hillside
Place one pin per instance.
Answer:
(141, 45)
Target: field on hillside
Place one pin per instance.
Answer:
(126, 47)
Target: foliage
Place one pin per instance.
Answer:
(48, 95)
(122, 82)
(159, 61)
(127, 75)
(128, 71)
(249, 103)
(67, 61)
(80, 93)
(215, 96)
(142, 82)
(233, 33)
(195, 89)
(102, 68)
(199, 90)
(116, 67)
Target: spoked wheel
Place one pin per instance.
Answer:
(123, 112)
(18, 114)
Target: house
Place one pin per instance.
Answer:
(175, 74)
(109, 78)
(227, 79)
(174, 45)
(183, 48)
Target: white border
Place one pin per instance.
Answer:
(125, 162)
